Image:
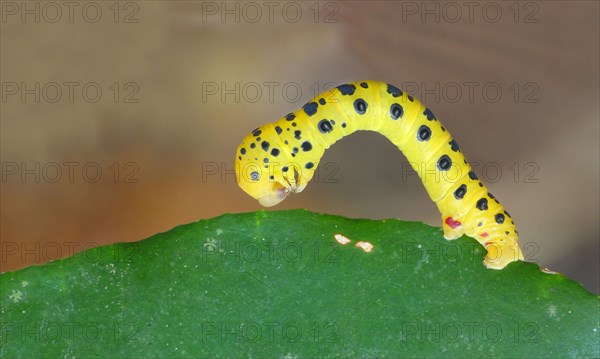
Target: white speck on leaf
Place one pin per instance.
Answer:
(341, 239)
(219, 231)
(551, 311)
(365, 246)
(548, 271)
(24, 283)
(16, 296)
(418, 267)
(111, 268)
(211, 244)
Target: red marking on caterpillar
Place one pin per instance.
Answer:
(484, 234)
(453, 223)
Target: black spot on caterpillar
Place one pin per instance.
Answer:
(464, 202)
(396, 111)
(310, 108)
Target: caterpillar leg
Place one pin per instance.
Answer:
(453, 228)
(501, 253)
(501, 250)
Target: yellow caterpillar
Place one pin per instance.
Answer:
(281, 157)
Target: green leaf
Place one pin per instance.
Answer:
(277, 284)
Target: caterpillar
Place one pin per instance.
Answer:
(280, 158)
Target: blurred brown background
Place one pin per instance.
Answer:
(155, 96)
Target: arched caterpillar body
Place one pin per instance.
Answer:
(281, 157)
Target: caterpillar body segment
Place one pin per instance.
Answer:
(280, 158)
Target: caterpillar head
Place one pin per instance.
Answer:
(265, 177)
